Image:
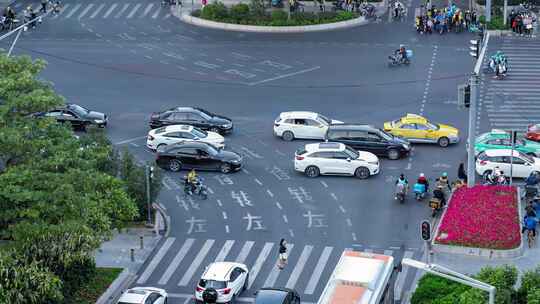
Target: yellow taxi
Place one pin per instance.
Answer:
(418, 129)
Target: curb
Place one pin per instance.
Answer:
(123, 280)
(479, 252)
(272, 29)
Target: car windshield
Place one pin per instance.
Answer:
(212, 284)
(324, 119)
(527, 157)
(432, 126)
(386, 136)
(352, 153)
(78, 109)
(205, 114)
(212, 150)
(199, 133)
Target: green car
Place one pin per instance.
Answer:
(500, 139)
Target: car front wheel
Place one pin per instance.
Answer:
(312, 171)
(287, 136)
(175, 165)
(225, 168)
(362, 173)
(443, 142)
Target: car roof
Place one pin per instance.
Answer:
(325, 146)
(298, 114)
(219, 271)
(177, 128)
(271, 295)
(501, 152)
(413, 118)
(134, 295)
(356, 127)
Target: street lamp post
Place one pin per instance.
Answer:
(149, 172)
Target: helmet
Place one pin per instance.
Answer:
(421, 174)
(445, 174)
(402, 176)
(401, 46)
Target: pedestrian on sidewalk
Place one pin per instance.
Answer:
(462, 175)
(282, 261)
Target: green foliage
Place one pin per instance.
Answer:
(529, 281)
(27, 283)
(239, 11)
(497, 23)
(533, 296)
(215, 11)
(257, 8)
(89, 292)
(279, 17)
(432, 287)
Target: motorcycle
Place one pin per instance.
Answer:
(401, 191)
(492, 180)
(395, 59)
(419, 191)
(198, 188)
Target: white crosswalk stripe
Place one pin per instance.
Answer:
(134, 10)
(97, 11)
(147, 10)
(76, 8)
(85, 11)
(121, 11)
(514, 103)
(307, 270)
(156, 14)
(109, 11)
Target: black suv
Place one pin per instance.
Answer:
(197, 155)
(270, 295)
(369, 138)
(196, 117)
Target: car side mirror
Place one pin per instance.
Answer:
(348, 159)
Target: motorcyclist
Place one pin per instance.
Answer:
(423, 181)
(192, 179)
(401, 183)
(401, 53)
(529, 223)
(532, 179)
(438, 193)
(443, 182)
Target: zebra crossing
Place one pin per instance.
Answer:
(178, 264)
(514, 102)
(107, 10)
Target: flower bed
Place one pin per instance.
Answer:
(249, 15)
(482, 217)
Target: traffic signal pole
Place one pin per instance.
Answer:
(471, 172)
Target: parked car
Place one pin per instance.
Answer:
(77, 116)
(305, 125)
(179, 133)
(146, 295)
(196, 117)
(221, 282)
(269, 295)
(533, 132)
(418, 129)
(522, 164)
(500, 139)
(197, 155)
(369, 138)
(335, 159)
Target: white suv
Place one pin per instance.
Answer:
(146, 295)
(179, 133)
(222, 282)
(335, 159)
(522, 164)
(308, 125)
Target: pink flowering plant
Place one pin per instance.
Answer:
(482, 217)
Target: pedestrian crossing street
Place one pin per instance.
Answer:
(178, 264)
(514, 102)
(108, 10)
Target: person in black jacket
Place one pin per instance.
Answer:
(462, 174)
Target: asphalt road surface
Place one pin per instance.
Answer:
(131, 58)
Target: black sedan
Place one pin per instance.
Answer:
(196, 117)
(199, 156)
(77, 116)
(270, 295)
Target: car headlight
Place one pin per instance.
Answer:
(226, 125)
(405, 146)
(99, 121)
(235, 161)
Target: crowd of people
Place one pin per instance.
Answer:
(447, 19)
(522, 23)
(9, 20)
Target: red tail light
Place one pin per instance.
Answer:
(199, 289)
(298, 157)
(483, 162)
(150, 137)
(225, 291)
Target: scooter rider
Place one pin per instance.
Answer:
(423, 181)
(444, 182)
(438, 193)
(402, 183)
(192, 179)
(401, 53)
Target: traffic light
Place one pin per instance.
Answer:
(475, 48)
(426, 231)
(467, 96)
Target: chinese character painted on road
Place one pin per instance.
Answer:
(242, 198)
(196, 225)
(315, 220)
(254, 222)
(300, 194)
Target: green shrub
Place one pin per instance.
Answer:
(497, 23)
(304, 18)
(239, 11)
(529, 281)
(341, 16)
(279, 17)
(328, 15)
(196, 13)
(432, 288)
(215, 11)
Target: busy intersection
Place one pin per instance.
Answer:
(134, 58)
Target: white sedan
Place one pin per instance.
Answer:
(146, 295)
(173, 134)
(299, 124)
